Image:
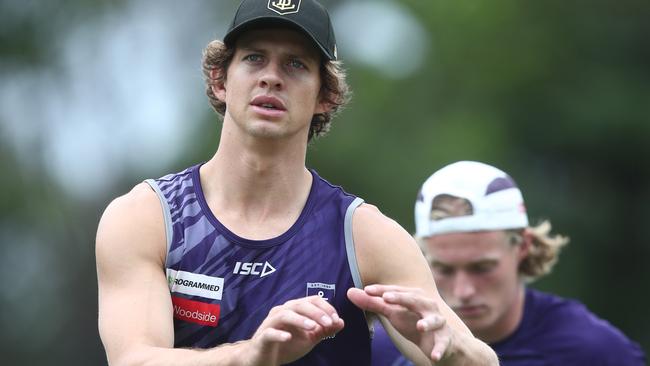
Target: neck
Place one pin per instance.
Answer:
(509, 322)
(255, 162)
(257, 182)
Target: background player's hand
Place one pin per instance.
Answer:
(412, 313)
(291, 330)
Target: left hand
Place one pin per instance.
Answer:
(411, 312)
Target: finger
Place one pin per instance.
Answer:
(441, 339)
(431, 323)
(325, 332)
(378, 290)
(337, 320)
(440, 347)
(287, 319)
(314, 310)
(318, 301)
(326, 307)
(412, 301)
(272, 335)
(312, 329)
(370, 303)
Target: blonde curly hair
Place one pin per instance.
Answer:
(334, 92)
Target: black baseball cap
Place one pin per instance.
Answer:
(308, 16)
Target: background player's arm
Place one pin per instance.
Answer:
(389, 257)
(135, 309)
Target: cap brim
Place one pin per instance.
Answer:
(231, 36)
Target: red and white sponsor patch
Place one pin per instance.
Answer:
(196, 311)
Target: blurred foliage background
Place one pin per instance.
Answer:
(96, 96)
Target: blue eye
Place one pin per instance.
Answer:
(253, 57)
(296, 64)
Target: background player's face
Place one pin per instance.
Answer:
(273, 83)
(476, 274)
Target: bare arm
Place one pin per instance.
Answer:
(135, 309)
(404, 294)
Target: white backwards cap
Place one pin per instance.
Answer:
(497, 203)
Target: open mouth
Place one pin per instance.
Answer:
(268, 102)
(268, 106)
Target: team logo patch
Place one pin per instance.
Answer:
(196, 311)
(193, 284)
(284, 7)
(324, 290)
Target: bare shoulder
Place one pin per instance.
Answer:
(371, 227)
(383, 247)
(134, 304)
(134, 224)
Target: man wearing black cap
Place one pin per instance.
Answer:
(251, 258)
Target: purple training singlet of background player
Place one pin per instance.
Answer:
(553, 331)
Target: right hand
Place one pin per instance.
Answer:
(413, 314)
(293, 329)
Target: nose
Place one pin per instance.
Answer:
(464, 287)
(271, 77)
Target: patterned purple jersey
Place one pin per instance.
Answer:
(223, 286)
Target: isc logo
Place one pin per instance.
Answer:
(253, 269)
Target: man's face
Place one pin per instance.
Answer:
(476, 274)
(273, 82)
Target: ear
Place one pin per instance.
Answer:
(322, 105)
(526, 245)
(218, 87)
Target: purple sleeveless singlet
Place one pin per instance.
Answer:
(223, 286)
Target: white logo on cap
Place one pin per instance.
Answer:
(284, 7)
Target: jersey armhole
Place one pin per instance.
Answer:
(166, 215)
(349, 243)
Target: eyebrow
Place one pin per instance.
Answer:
(472, 263)
(435, 263)
(252, 48)
(300, 53)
